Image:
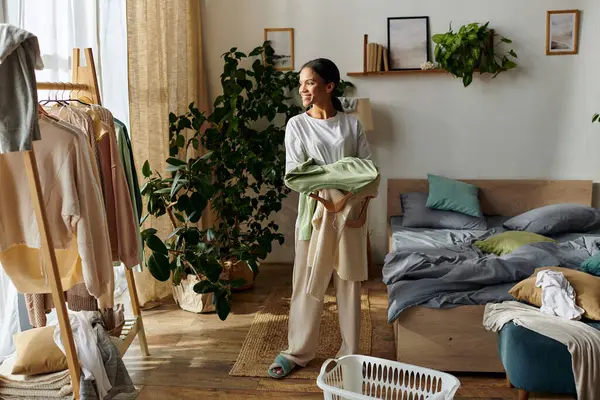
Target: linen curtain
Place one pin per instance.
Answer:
(166, 74)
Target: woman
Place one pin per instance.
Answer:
(325, 134)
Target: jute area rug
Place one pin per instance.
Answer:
(268, 336)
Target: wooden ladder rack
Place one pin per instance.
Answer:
(85, 82)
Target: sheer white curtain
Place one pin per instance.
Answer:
(61, 25)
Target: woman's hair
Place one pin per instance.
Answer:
(330, 73)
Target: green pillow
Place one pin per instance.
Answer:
(507, 242)
(592, 265)
(452, 195)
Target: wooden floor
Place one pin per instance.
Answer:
(191, 354)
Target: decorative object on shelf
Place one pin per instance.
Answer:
(364, 114)
(427, 65)
(282, 42)
(469, 49)
(408, 42)
(562, 32)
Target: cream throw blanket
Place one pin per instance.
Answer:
(582, 340)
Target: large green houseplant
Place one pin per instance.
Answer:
(240, 174)
(469, 49)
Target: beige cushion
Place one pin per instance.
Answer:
(587, 290)
(37, 353)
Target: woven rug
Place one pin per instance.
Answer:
(268, 337)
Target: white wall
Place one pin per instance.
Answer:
(533, 122)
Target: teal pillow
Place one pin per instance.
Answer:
(592, 265)
(452, 195)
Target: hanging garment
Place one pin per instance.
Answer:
(77, 297)
(78, 118)
(75, 212)
(119, 210)
(558, 296)
(126, 151)
(132, 182)
(19, 57)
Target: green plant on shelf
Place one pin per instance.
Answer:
(469, 49)
(596, 118)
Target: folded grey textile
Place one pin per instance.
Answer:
(113, 363)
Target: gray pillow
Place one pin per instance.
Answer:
(556, 218)
(418, 215)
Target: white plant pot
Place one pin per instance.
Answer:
(191, 301)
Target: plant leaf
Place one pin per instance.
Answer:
(505, 40)
(222, 305)
(176, 277)
(175, 161)
(596, 117)
(203, 287)
(212, 269)
(158, 265)
(156, 245)
(147, 232)
(146, 171)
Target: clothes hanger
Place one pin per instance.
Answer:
(76, 99)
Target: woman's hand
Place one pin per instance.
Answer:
(330, 205)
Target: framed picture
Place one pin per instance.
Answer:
(282, 41)
(408, 42)
(562, 32)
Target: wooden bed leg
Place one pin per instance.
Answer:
(523, 394)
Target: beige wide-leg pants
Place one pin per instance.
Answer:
(306, 312)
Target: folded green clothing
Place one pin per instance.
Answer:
(349, 174)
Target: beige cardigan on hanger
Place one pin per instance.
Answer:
(75, 210)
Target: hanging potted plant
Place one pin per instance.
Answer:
(241, 176)
(469, 49)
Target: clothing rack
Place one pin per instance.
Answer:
(85, 81)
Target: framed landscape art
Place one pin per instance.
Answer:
(562, 32)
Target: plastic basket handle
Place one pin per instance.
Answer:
(326, 364)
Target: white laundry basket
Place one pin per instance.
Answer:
(357, 377)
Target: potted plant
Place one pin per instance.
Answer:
(596, 118)
(469, 49)
(241, 176)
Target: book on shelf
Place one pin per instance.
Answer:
(376, 57)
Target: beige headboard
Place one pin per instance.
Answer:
(506, 197)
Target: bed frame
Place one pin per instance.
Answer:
(454, 339)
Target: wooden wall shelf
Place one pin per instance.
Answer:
(400, 72)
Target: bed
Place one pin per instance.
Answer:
(453, 339)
